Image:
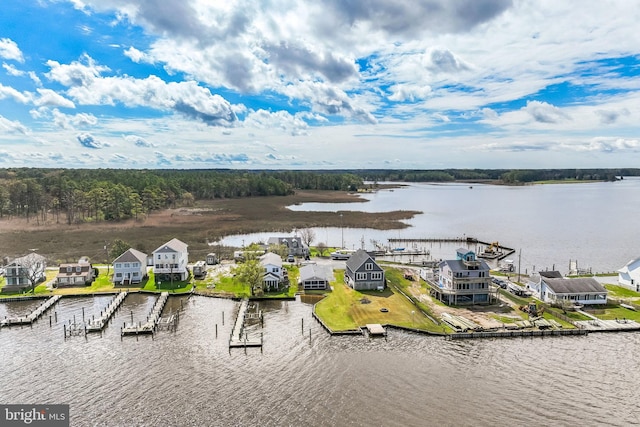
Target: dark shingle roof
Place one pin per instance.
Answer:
(132, 255)
(551, 274)
(574, 286)
(358, 258)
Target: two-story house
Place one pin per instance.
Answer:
(629, 275)
(363, 273)
(79, 273)
(24, 273)
(130, 267)
(295, 246)
(464, 280)
(170, 261)
(275, 276)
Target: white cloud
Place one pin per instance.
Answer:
(10, 50)
(138, 141)
(50, 98)
(135, 55)
(282, 120)
(9, 92)
(89, 141)
(11, 126)
(12, 70)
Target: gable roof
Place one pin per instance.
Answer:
(173, 245)
(271, 258)
(358, 258)
(29, 259)
(315, 271)
(632, 265)
(551, 274)
(132, 255)
(458, 265)
(574, 286)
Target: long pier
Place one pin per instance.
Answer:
(97, 325)
(33, 316)
(240, 338)
(504, 250)
(149, 326)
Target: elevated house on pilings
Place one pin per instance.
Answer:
(464, 280)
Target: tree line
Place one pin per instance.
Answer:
(85, 195)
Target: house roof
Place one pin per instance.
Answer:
(358, 258)
(632, 265)
(30, 258)
(574, 286)
(271, 258)
(458, 265)
(132, 255)
(315, 271)
(288, 241)
(173, 245)
(551, 274)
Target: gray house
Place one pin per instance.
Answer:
(130, 267)
(313, 276)
(295, 245)
(464, 280)
(362, 273)
(24, 272)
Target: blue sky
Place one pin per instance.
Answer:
(319, 84)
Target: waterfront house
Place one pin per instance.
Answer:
(629, 275)
(464, 280)
(79, 273)
(275, 276)
(295, 246)
(363, 273)
(24, 272)
(313, 276)
(552, 288)
(170, 261)
(130, 267)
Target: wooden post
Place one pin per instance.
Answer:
(65, 332)
(55, 313)
(82, 314)
(223, 318)
(216, 331)
(309, 336)
(302, 326)
(49, 320)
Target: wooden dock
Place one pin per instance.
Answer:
(149, 326)
(239, 337)
(522, 334)
(31, 317)
(504, 251)
(599, 325)
(97, 325)
(376, 329)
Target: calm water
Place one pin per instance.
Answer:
(593, 223)
(190, 378)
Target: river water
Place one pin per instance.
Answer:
(303, 376)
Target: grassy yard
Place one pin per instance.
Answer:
(345, 308)
(620, 292)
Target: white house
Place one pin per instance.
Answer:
(629, 275)
(130, 267)
(551, 287)
(274, 274)
(24, 272)
(170, 261)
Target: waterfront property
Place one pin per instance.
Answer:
(363, 273)
(274, 275)
(464, 280)
(24, 272)
(294, 245)
(170, 261)
(130, 267)
(80, 273)
(552, 288)
(314, 277)
(629, 275)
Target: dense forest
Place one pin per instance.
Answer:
(89, 195)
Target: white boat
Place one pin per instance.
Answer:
(341, 254)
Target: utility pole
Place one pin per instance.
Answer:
(519, 259)
(342, 231)
(106, 252)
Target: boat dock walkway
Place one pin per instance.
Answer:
(240, 338)
(97, 325)
(33, 316)
(149, 326)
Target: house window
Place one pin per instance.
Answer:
(376, 276)
(361, 276)
(368, 266)
(68, 269)
(118, 265)
(159, 256)
(136, 264)
(78, 269)
(118, 275)
(135, 274)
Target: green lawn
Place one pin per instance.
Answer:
(619, 292)
(343, 308)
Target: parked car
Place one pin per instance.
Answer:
(291, 258)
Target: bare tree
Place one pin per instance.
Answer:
(322, 248)
(29, 270)
(307, 235)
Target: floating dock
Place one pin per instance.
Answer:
(239, 337)
(97, 325)
(376, 329)
(33, 316)
(149, 326)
